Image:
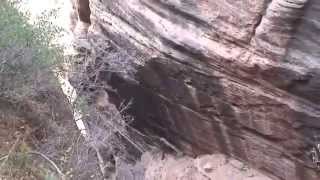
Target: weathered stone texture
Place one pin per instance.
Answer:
(238, 77)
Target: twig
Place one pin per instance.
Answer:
(101, 162)
(5, 158)
(50, 161)
(166, 142)
(124, 135)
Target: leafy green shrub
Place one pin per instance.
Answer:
(27, 60)
(27, 55)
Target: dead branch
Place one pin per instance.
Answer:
(100, 162)
(50, 161)
(10, 152)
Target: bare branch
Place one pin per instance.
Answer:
(50, 161)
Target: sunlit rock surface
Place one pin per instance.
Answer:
(205, 167)
(236, 77)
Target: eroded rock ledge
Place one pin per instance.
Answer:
(237, 77)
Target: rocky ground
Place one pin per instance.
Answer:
(207, 167)
(160, 166)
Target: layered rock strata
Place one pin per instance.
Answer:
(237, 77)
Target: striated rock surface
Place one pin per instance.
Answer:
(239, 77)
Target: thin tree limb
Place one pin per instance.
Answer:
(5, 158)
(50, 161)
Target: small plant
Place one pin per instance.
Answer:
(27, 83)
(19, 163)
(27, 55)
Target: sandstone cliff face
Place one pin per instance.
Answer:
(239, 77)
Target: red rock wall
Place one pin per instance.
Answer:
(237, 77)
